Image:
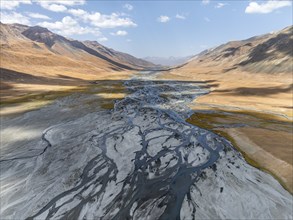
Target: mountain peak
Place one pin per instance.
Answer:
(42, 35)
(39, 29)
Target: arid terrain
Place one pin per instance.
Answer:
(250, 99)
(88, 132)
(38, 65)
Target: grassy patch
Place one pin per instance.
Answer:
(114, 89)
(213, 121)
(218, 119)
(46, 96)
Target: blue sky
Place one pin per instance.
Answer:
(152, 28)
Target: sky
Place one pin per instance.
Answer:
(152, 28)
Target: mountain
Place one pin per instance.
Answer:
(72, 48)
(269, 53)
(118, 56)
(35, 60)
(168, 61)
(18, 39)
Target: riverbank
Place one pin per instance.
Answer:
(253, 111)
(24, 92)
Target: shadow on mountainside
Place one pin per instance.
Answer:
(281, 44)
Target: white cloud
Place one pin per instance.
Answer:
(129, 7)
(180, 16)
(220, 5)
(14, 17)
(68, 2)
(59, 5)
(10, 5)
(205, 2)
(102, 39)
(207, 19)
(53, 7)
(163, 19)
(77, 12)
(38, 16)
(69, 26)
(101, 20)
(266, 7)
(109, 21)
(119, 33)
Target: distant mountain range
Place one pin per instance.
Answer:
(168, 61)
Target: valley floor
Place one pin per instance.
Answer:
(21, 92)
(72, 159)
(254, 111)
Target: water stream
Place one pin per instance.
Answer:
(143, 161)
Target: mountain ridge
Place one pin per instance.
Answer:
(35, 60)
(64, 46)
(268, 53)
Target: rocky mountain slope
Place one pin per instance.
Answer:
(118, 56)
(36, 60)
(60, 45)
(269, 53)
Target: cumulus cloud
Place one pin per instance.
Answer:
(59, 5)
(182, 17)
(163, 19)
(10, 5)
(53, 7)
(205, 2)
(267, 7)
(14, 17)
(220, 5)
(119, 33)
(129, 7)
(77, 12)
(69, 26)
(38, 16)
(109, 21)
(102, 20)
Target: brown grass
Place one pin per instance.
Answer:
(265, 144)
(262, 102)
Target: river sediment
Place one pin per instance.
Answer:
(141, 160)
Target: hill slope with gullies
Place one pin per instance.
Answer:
(269, 53)
(35, 52)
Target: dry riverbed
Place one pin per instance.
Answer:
(139, 160)
(253, 111)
